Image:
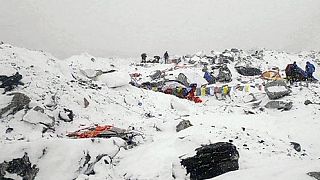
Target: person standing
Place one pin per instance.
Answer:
(166, 57)
(144, 57)
(310, 70)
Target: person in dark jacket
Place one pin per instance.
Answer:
(166, 57)
(144, 57)
(209, 77)
(310, 70)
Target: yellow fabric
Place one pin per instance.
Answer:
(225, 90)
(154, 89)
(247, 88)
(203, 91)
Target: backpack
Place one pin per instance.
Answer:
(312, 68)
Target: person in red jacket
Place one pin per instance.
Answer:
(191, 95)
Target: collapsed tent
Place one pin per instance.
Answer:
(106, 131)
(271, 75)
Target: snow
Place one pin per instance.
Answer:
(54, 84)
(277, 89)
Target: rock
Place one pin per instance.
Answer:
(183, 125)
(20, 166)
(37, 117)
(212, 160)
(315, 175)
(9, 130)
(248, 71)
(156, 75)
(86, 102)
(39, 109)
(277, 89)
(224, 74)
(66, 115)
(279, 105)
(296, 146)
(19, 101)
(183, 79)
(307, 102)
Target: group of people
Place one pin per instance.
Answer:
(295, 73)
(156, 59)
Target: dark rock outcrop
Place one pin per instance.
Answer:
(248, 71)
(212, 160)
(315, 175)
(19, 101)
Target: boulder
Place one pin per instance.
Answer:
(277, 89)
(315, 175)
(279, 105)
(307, 102)
(184, 124)
(212, 160)
(183, 79)
(19, 101)
(224, 74)
(296, 146)
(20, 166)
(248, 71)
(156, 75)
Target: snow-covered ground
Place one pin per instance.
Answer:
(263, 137)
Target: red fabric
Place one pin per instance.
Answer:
(90, 133)
(192, 97)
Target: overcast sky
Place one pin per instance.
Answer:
(129, 27)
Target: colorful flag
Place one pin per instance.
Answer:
(203, 91)
(225, 90)
(198, 92)
(247, 88)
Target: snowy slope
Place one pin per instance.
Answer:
(54, 84)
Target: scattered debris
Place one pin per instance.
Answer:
(212, 160)
(20, 166)
(10, 82)
(106, 131)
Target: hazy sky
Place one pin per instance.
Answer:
(129, 27)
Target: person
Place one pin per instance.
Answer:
(166, 57)
(143, 57)
(191, 96)
(310, 70)
(209, 77)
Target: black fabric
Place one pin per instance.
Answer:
(212, 160)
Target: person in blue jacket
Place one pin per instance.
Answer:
(310, 70)
(209, 78)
